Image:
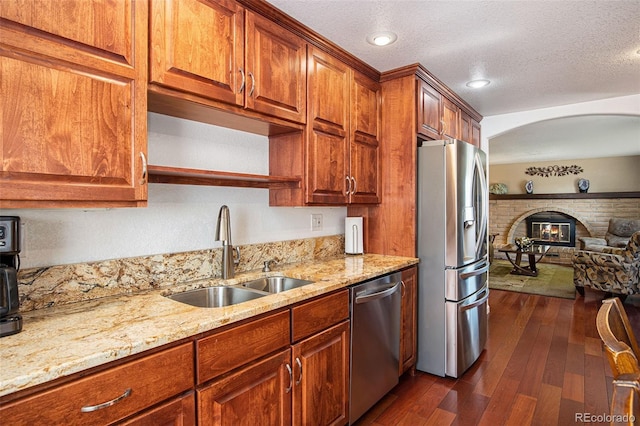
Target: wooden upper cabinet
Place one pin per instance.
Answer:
(276, 70)
(429, 111)
(198, 47)
(220, 51)
(327, 152)
(74, 101)
(343, 134)
(364, 153)
(465, 127)
(475, 133)
(450, 120)
(469, 129)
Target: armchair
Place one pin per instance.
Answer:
(616, 271)
(618, 234)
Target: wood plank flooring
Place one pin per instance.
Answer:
(543, 364)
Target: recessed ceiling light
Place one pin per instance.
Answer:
(382, 38)
(476, 84)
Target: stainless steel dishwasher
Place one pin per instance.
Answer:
(375, 341)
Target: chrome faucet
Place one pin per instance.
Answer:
(223, 234)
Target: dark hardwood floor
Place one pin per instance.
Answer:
(543, 365)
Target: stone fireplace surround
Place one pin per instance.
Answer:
(507, 216)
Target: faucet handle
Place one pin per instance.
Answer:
(236, 261)
(267, 264)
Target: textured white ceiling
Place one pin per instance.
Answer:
(537, 54)
(589, 136)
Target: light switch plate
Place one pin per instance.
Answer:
(316, 222)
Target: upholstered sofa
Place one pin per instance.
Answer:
(617, 236)
(616, 272)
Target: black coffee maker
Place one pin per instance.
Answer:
(10, 319)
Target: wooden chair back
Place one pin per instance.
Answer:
(620, 344)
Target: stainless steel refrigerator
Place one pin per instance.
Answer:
(452, 247)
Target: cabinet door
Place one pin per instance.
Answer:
(276, 67)
(364, 154)
(328, 130)
(429, 115)
(321, 375)
(197, 47)
(450, 119)
(178, 412)
(475, 133)
(408, 334)
(465, 127)
(73, 100)
(259, 394)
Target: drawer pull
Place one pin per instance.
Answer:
(90, 408)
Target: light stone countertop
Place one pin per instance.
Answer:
(60, 341)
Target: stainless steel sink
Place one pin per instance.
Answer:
(217, 296)
(276, 284)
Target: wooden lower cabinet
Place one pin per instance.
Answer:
(259, 394)
(408, 320)
(177, 412)
(131, 387)
(304, 383)
(321, 372)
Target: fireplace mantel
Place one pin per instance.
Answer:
(575, 195)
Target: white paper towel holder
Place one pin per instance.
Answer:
(353, 238)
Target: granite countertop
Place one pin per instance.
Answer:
(59, 341)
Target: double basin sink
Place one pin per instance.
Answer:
(220, 296)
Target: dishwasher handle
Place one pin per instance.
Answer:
(378, 295)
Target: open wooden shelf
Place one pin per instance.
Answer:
(575, 195)
(183, 176)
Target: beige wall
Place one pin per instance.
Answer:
(610, 174)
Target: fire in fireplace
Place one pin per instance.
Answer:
(554, 229)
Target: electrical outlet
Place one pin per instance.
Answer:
(316, 222)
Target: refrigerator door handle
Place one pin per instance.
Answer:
(483, 216)
(475, 272)
(476, 303)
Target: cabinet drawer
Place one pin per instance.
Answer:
(240, 345)
(312, 317)
(150, 380)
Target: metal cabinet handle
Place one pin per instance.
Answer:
(444, 126)
(253, 84)
(90, 408)
(300, 367)
(404, 288)
(244, 80)
(348, 185)
(288, 389)
(144, 176)
(353, 191)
